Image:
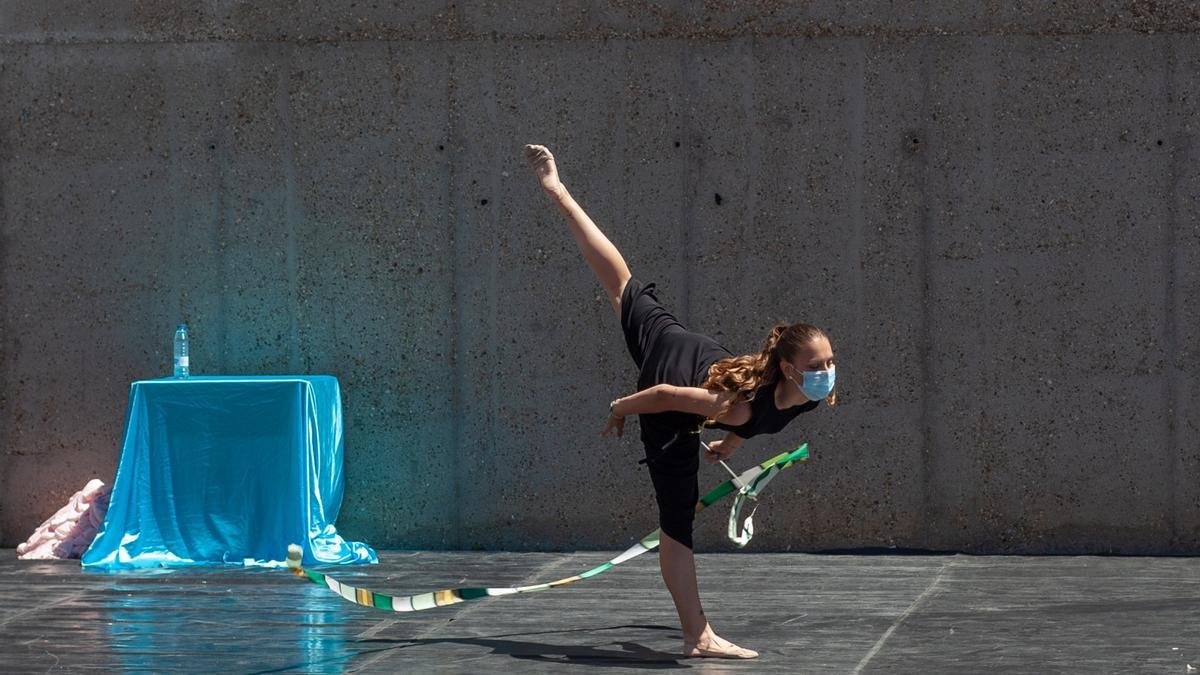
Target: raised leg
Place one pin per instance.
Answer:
(604, 258)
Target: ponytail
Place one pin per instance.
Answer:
(743, 375)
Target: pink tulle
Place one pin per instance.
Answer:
(68, 533)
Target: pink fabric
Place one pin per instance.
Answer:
(68, 533)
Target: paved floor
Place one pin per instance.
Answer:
(805, 613)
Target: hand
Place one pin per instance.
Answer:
(614, 422)
(719, 450)
(542, 162)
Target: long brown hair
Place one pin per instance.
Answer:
(744, 374)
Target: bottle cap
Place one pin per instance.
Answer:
(182, 325)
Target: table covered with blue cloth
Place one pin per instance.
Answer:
(228, 470)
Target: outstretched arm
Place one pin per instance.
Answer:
(694, 400)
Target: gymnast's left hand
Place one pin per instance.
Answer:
(614, 423)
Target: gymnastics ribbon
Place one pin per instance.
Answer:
(746, 490)
(748, 484)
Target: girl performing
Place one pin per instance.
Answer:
(687, 382)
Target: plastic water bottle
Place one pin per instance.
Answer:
(181, 351)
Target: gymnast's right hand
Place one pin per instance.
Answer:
(719, 451)
(614, 422)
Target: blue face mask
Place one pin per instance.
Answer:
(818, 383)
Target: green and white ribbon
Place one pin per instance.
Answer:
(748, 484)
(746, 490)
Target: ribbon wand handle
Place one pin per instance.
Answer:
(736, 480)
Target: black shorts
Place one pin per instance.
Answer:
(644, 320)
(674, 470)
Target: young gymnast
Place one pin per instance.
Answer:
(687, 381)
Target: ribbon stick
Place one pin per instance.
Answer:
(748, 484)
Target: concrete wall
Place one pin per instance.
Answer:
(992, 207)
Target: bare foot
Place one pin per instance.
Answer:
(542, 161)
(712, 645)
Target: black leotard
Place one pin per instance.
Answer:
(666, 352)
(765, 418)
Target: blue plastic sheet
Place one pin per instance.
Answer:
(228, 470)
